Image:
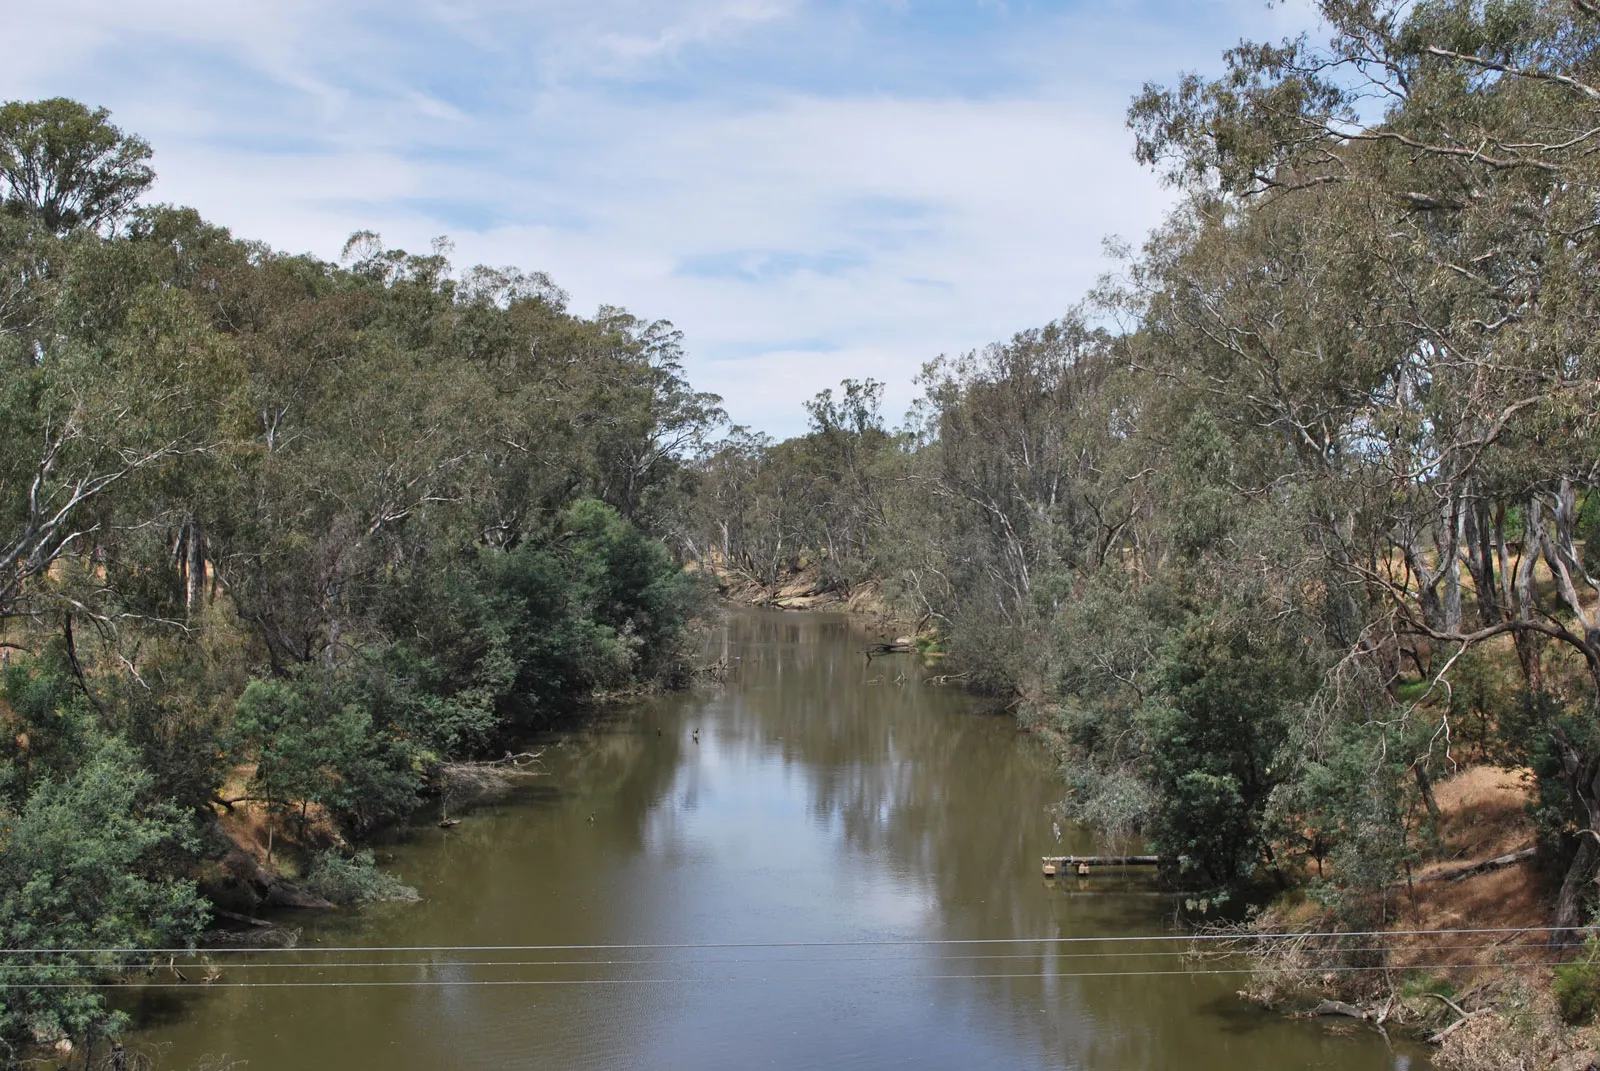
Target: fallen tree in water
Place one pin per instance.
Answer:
(467, 783)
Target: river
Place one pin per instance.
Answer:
(822, 864)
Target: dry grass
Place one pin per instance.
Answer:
(1484, 813)
(247, 827)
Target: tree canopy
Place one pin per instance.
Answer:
(1301, 491)
(323, 528)
(67, 165)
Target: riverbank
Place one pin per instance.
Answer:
(1485, 1003)
(1466, 963)
(870, 850)
(803, 587)
(306, 863)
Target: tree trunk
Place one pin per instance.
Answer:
(1522, 596)
(1425, 788)
(77, 666)
(1569, 903)
(1478, 542)
(1583, 781)
(195, 569)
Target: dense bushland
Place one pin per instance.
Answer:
(330, 524)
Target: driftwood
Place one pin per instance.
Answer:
(1447, 1031)
(234, 916)
(468, 782)
(1498, 862)
(1458, 1009)
(889, 648)
(1103, 860)
(1339, 1007)
(271, 937)
(717, 672)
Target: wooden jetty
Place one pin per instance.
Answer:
(1082, 864)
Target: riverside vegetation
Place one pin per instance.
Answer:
(1295, 515)
(310, 530)
(1288, 521)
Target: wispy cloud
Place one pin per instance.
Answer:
(809, 188)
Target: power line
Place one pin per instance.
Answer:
(875, 943)
(435, 963)
(682, 980)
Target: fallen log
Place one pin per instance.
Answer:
(271, 937)
(1339, 1007)
(1498, 862)
(1435, 1039)
(270, 887)
(469, 782)
(1103, 860)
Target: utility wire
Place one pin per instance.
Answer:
(876, 943)
(458, 982)
(395, 964)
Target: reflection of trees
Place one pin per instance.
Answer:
(914, 788)
(954, 801)
(952, 798)
(616, 770)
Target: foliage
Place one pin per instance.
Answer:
(506, 637)
(1255, 533)
(1577, 987)
(762, 506)
(342, 879)
(83, 867)
(314, 742)
(1353, 805)
(1219, 740)
(68, 165)
(345, 521)
(1330, 431)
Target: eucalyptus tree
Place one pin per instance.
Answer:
(1470, 189)
(105, 387)
(345, 521)
(67, 165)
(1015, 460)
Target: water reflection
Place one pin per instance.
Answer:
(808, 862)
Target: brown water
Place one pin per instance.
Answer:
(841, 872)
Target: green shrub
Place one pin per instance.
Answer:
(1577, 988)
(315, 742)
(354, 880)
(84, 867)
(1411, 691)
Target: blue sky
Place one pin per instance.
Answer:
(809, 189)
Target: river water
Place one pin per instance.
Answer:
(824, 863)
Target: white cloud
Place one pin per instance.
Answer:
(798, 234)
